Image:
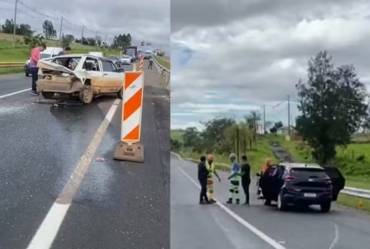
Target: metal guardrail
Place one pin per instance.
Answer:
(358, 192)
(164, 72)
(11, 64)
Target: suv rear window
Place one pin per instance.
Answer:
(307, 172)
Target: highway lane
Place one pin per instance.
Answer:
(118, 205)
(203, 226)
(342, 228)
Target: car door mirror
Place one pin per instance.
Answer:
(120, 70)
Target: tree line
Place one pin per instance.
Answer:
(332, 104)
(49, 32)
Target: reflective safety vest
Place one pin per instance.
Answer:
(210, 168)
(236, 177)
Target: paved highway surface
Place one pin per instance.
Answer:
(342, 228)
(118, 204)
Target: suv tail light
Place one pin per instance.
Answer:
(289, 178)
(328, 180)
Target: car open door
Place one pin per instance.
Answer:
(337, 180)
(269, 182)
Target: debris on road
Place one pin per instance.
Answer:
(100, 159)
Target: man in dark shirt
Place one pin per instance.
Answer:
(202, 177)
(246, 177)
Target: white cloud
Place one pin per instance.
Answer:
(257, 59)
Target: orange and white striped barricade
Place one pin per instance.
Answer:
(141, 63)
(130, 148)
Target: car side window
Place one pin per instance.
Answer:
(91, 64)
(107, 66)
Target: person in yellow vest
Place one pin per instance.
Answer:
(234, 180)
(211, 171)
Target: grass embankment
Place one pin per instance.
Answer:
(13, 70)
(20, 52)
(355, 172)
(163, 62)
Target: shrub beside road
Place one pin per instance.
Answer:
(165, 63)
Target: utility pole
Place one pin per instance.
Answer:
(15, 21)
(60, 30)
(82, 33)
(289, 115)
(264, 119)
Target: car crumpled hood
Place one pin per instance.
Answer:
(81, 74)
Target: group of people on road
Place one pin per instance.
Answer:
(34, 59)
(239, 175)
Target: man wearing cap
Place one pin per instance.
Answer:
(211, 171)
(234, 180)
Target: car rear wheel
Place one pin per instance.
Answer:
(120, 94)
(281, 203)
(325, 207)
(47, 95)
(86, 95)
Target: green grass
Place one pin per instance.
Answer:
(20, 52)
(163, 62)
(354, 202)
(256, 155)
(12, 70)
(6, 41)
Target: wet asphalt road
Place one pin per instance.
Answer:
(199, 226)
(342, 228)
(118, 205)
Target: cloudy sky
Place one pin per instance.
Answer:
(145, 20)
(231, 57)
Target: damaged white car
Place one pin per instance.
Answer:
(79, 75)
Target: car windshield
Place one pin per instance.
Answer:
(44, 56)
(304, 172)
(126, 56)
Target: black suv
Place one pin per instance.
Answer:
(305, 184)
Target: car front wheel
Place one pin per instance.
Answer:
(86, 95)
(47, 95)
(120, 94)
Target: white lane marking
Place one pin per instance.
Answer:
(336, 237)
(239, 219)
(14, 93)
(49, 228)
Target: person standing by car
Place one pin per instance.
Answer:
(246, 178)
(265, 167)
(234, 180)
(150, 63)
(211, 171)
(66, 50)
(34, 58)
(202, 177)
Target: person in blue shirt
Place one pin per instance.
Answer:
(66, 50)
(234, 180)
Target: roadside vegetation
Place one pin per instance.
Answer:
(26, 39)
(325, 133)
(163, 62)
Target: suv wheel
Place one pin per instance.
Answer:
(281, 204)
(325, 207)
